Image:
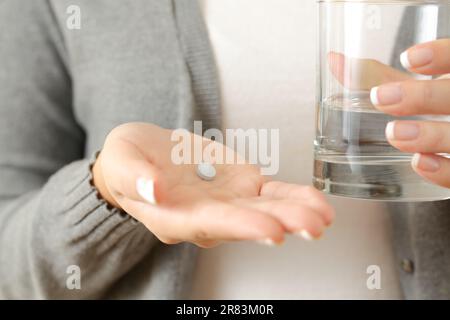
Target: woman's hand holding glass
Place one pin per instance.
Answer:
(397, 93)
(426, 139)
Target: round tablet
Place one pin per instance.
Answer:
(206, 171)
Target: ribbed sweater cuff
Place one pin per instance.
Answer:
(90, 217)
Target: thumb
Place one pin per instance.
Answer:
(129, 174)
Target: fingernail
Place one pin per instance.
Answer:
(386, 95)
(374, 96)
(146, 189)
(415, 58)
(425, 163)
(404, 59)
(267, 242)
(305, 235)
(402, 131)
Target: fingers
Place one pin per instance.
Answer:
(208, 222)
(228, 222)
(433, 168)
(421, 98)
(296, 218)
(362, 74)
(418, 97)
(208, 244)
(419, 136)
(429, 58)
(305, 194)
(424, 138)
(414, 97)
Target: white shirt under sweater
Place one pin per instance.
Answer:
(265, 51)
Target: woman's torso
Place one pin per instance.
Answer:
(265, 52)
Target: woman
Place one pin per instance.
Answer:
(69, 93)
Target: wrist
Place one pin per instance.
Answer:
(100, 184)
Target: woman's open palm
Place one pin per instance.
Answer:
(135, 171)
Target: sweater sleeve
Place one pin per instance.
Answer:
(52, 221)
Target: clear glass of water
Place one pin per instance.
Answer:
(359, 48)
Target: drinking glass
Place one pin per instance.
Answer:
(360, 44)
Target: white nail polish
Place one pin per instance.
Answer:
(305, 235)
(374, 96)
(404, 59)
(390, 130)
(267, 242)
(146, 189)
(415, 160)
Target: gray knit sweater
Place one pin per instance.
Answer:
(62, 91)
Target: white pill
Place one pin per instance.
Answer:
(206, 171)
